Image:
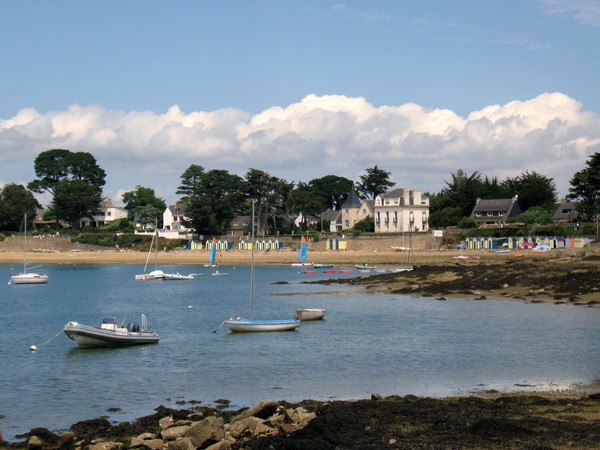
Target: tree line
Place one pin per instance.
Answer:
(213, 197)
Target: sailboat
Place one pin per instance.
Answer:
(156, 274)
(302, 254)
(252, 324)
(212, 259)
(27, 277)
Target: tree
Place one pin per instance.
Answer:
(365, 225)
(375, 182)
(585, 188)
(142, 198)
(332, 189)
(460, 193)
(270, 194)
(533, 189)
(211, 198)
(73, 178)
(15, 202)
(307, 202)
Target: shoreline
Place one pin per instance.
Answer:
(487, 419)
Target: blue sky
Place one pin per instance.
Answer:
(301, 89)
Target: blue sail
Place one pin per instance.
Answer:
(302, 252)
(213, 252)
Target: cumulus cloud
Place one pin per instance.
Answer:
(317, 136)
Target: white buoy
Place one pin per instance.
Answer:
(189, 307)
(33, 348)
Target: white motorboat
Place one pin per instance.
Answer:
(27, 277)
(252, 324)
(310, 314)
(154, 275)
(108, 334)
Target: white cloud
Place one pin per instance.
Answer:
(586, 11)
(314, 137)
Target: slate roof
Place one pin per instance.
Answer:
(353, 201)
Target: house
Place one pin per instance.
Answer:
(401, 210)
(566, 212)
(172, 218)
(309, 221)
(354, 210)
(106, 212)
(495, 212)
(334, 217)
(239, 226)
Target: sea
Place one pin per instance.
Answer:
(368, 343)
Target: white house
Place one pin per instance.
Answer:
(172, 218)
(106, 212)
(401, 210)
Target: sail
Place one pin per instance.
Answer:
(213, 252)
(302, 252)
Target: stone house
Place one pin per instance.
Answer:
(495, 212)
(401, 210)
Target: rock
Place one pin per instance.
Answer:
(249, 426)
(153, 444)
(376, 396)
(106, 446)
(261, 410)
(42, 437)
(302, 417)
(182, 444)
(173, 433)
(166, 423)
(207, 431)
(223, 445)
(287, 428)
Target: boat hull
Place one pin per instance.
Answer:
(310, 314)
(250, 326)
(29, 278)
(88, 336)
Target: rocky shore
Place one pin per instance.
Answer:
(487, 421)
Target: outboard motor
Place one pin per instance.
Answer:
(133, 327)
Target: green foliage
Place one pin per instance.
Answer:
(533, 189)
(140, 200)
(468, 223)
(15, 202)
(332, 190)
(366, 225)
(534, 215)
(585, 188)
(73, 178)
(376, 181)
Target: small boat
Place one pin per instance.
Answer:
(212, 258)
(177, 276)
(310, 314)
(309, 272)
(156, 274)
(302, 254)
(27, 277)
(108, 334)
(329, 271)
(322, 266)
(345, 271)
(364, 266)
(219, 274)
(257, 325)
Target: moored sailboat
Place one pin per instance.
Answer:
(27, 277)
(257, 325)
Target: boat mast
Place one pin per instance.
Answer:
(252, 266)
(25, 244)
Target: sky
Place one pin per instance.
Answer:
(301, 89)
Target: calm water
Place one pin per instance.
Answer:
(368, 343)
